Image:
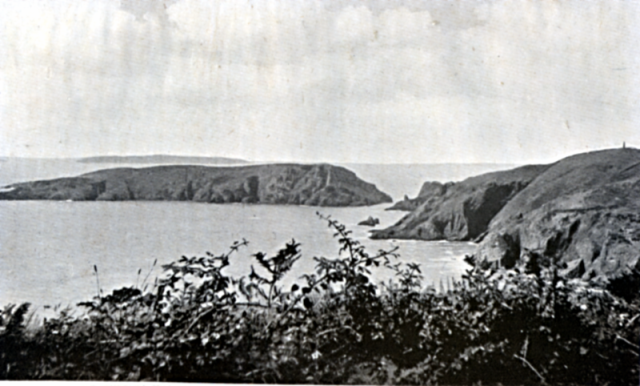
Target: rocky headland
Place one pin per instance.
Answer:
(286, 184)
(582, 211)
(461, 210)
(430, 190)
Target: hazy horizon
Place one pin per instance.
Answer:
(394, 179)
(339, 81)
(249, 161)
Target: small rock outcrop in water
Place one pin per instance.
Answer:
(370, 222)
(288, 184)
(460, 211)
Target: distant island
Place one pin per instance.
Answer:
(162, 159)
(583, 210)
(286, 184)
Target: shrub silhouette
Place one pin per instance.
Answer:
(335, 325)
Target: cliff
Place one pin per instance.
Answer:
(429, 191)
(291, 184)
(584, 211)
(463, 210)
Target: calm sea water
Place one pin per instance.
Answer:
(48, 249)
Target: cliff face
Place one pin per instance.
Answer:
(460, 211)
(584, 210)
(318, 185)
(429, 191)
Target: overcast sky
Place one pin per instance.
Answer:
(337, 81)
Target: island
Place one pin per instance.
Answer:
(286, 184)
(161, 159)
(582, 212)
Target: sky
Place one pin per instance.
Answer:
(371, 81)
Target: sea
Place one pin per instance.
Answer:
(48, 249)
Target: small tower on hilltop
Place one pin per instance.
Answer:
(624, 145)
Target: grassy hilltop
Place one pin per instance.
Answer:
(587, 205)
(552, 297)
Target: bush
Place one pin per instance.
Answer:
(334, 326)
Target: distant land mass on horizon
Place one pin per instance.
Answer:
(396, 179)
(168, 159)
(161, 158)
(288, 184)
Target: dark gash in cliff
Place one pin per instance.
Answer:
(583, 210)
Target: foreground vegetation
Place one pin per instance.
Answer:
(527, 325)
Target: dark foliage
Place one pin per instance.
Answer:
(517, 326)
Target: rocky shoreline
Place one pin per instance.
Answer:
(582, 211)
(460, 211)
(285, 184)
